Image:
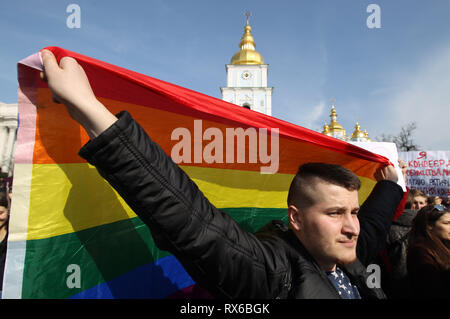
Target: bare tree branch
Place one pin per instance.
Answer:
(404, 139)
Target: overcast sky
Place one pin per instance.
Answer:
(382, 77)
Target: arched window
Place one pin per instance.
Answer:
(246, 105)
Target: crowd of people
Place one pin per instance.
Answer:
(416, 260)
(322, 253)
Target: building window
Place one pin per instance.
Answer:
(246, 105)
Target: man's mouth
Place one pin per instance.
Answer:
(348, 243)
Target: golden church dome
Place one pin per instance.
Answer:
(336, 130)
(357, 133)
(366, 135)
(326, 130)
(247, 54)
(334, 125)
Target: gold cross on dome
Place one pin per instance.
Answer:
(248, 15)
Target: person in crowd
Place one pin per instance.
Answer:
(418, 198)
(4, 218)
(392, 260)
(445, 202)
(396, 283)
(428, 257)
(434, 200)
(323, 253)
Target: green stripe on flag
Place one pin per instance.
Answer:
(94, 250)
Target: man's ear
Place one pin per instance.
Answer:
(294, 218)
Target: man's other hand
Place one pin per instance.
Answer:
(387, 172)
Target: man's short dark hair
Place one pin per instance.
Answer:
(330, 173)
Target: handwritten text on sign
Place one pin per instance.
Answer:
(428, 171)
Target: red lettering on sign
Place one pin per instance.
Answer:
(422, 155)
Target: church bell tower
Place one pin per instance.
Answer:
(247, 77)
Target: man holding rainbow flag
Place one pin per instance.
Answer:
(322, 254)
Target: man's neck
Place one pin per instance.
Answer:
(327, 267)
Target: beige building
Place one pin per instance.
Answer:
(8, 137)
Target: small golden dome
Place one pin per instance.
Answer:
(357, 133)
(366, 135)
(326, 130)
(247, 54)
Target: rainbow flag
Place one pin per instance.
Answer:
(73, 236)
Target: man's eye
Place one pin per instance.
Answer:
(333, 213)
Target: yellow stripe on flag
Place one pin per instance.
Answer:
(71, 197)
(236, 188)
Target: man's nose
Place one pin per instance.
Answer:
(350, 225)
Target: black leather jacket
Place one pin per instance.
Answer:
(397, 243)
(226, 260)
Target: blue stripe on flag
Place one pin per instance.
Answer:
(156, 280)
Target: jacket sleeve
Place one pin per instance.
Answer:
(375, 218)
(215, 251)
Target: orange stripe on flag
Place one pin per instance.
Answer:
(53, 148)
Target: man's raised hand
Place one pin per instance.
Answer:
(69, 85)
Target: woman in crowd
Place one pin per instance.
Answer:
(428, 258)
(4, 217)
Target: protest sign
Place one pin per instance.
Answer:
(428, 171)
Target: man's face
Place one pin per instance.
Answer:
(437, 200)
(329, 228)
(418, 202)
